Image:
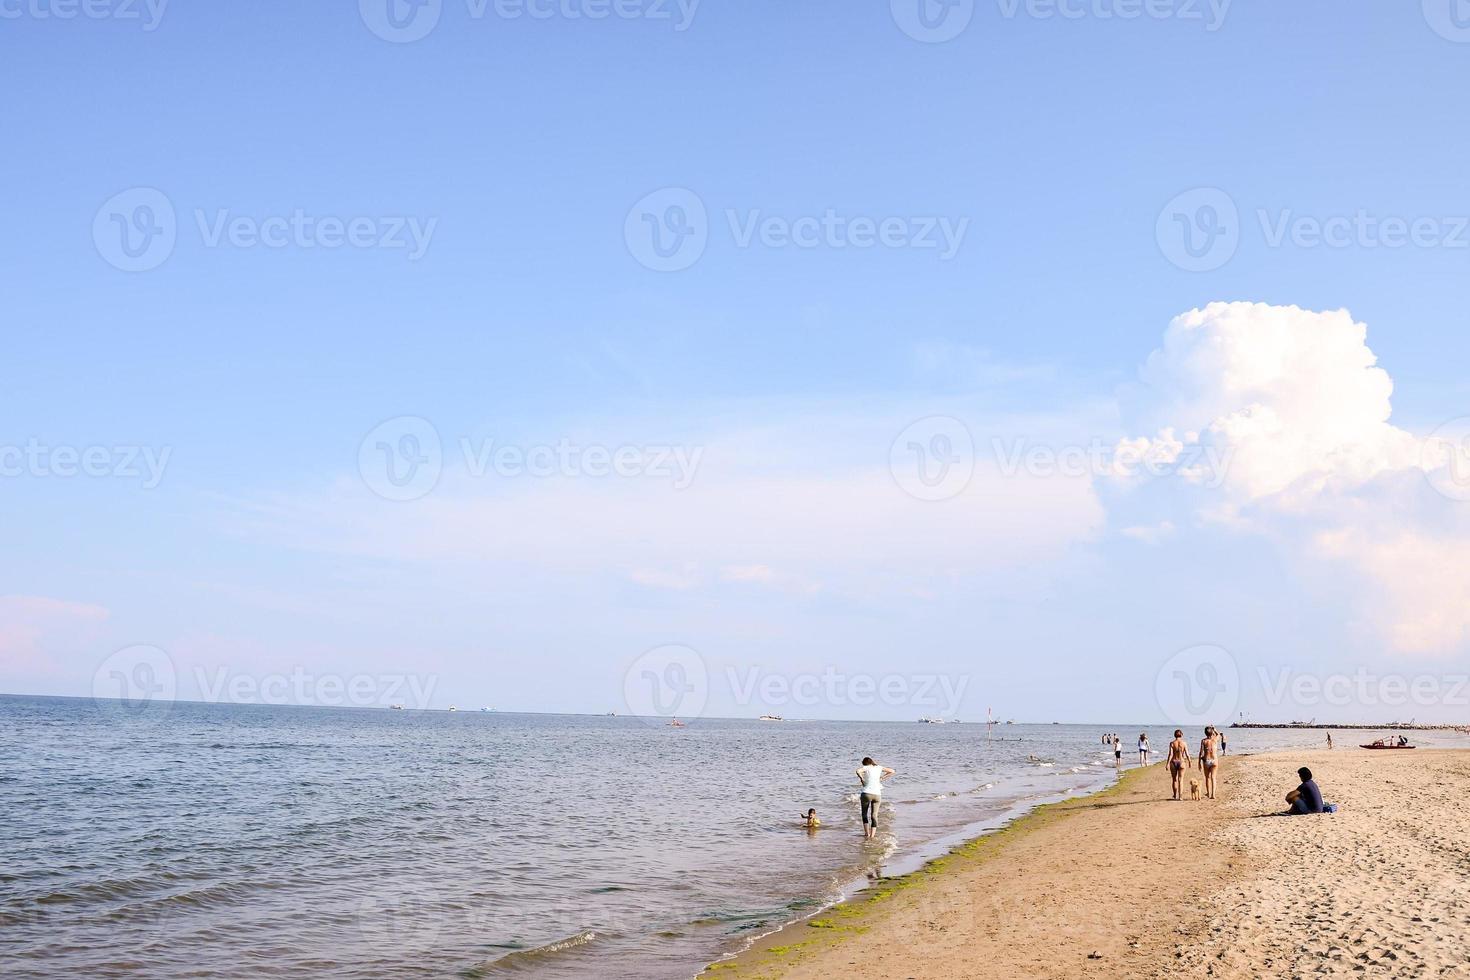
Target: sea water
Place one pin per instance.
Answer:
(237, 840)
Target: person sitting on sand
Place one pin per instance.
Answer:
(810, 821)
(1208, 761)
(871, 775)
(1306, 798)
(1178, 759)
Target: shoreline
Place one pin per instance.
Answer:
(812, 938)
(1125, 883)
(921, 859)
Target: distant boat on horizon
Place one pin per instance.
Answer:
(453, 708)
(770, 718)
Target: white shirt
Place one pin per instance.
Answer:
(872, 780)
(1143, 745)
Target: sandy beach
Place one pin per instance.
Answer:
(1127, 883)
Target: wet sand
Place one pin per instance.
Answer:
(1127, 883)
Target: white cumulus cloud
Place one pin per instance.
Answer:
(1294, 405)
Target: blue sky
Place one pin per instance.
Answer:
(521, 147)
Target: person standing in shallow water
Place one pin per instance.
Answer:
(871, 776)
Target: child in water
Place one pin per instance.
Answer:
(810, 821)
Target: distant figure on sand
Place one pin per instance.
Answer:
(1306, 798)
(871, 776)
(1220, 734)
(1329, 740)
(1143, 748)
(1208, 761)
(1178, 759)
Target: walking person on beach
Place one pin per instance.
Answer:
(1178, 759)
(871, 776)
(1143, 748)
(1208, 761)
(1329, 740)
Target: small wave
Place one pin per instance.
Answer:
(531, 959)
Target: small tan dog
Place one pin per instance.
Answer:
(1194, 790)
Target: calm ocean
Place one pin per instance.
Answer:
(235, 840)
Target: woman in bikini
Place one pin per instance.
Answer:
(1178, 759)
